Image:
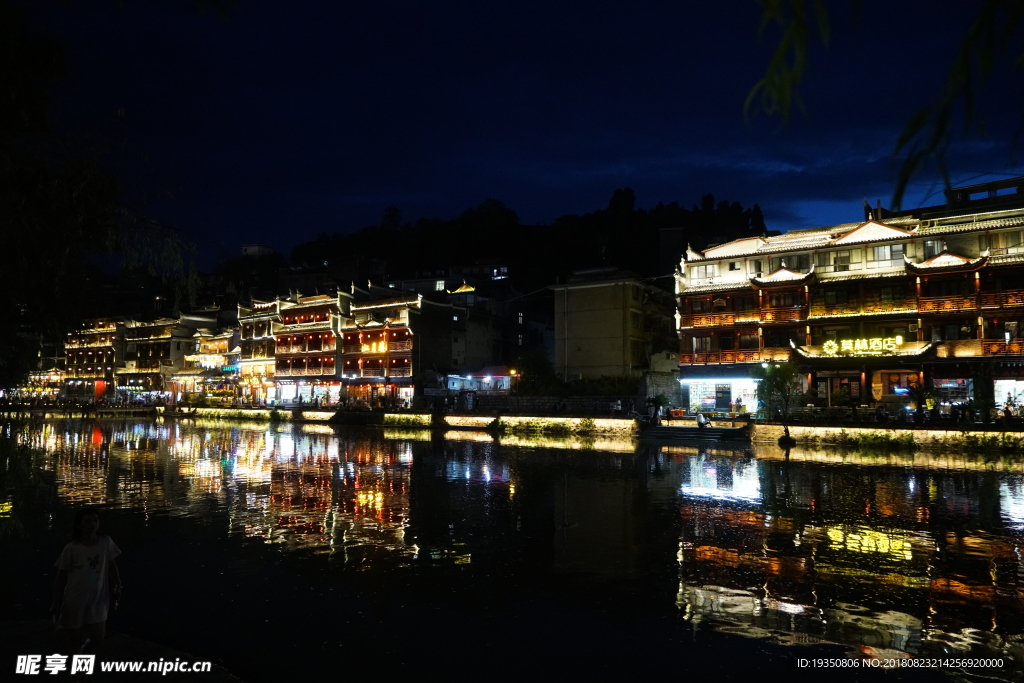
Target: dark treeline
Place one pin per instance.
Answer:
(646, 241)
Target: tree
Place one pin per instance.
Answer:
(776, 390)
(62, 219)
(995, 36)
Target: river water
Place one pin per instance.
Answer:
(297, 553)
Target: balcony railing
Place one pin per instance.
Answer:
(903, 305)
(999, 347)
(777, 315)
(938, 304)
(405, 345)
(371, 372)
(959, 348)
(820, 310)
(303, 372)
(735, 356)
(1000, 299)
(351, 348)
(399, 372)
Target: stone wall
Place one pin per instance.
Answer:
(921, 438)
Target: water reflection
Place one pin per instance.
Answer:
(908, 561)
(885, 555)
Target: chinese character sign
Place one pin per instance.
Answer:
(862, 347)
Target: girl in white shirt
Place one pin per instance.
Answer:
(87, 579)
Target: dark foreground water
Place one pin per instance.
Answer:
(316, 554)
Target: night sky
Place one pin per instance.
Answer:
(286, 120)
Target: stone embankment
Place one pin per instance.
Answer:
(892, 438)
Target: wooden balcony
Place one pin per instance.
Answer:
(405, 345)
(780, 315)
(735, 356)
(999, 347)
(820, 310)
(904, 305)
(351, 348)
(399, 372)
(959, 348)
(282, 350)
(941, 304)
(303, 372)
(1013, 297)
(371, 372)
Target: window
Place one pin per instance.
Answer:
(735, 265)
(439, 286)
(836, 297)
(748, 341)
(756, 266)
(703, 272)
(520, 317)
(933, 248)
(637, 320)
(701, 344)
(520, 340)
(886, 256)
(745, 302)
(783, 299)
(1002, 242)
(700, 306)
(834, 261)
(455, 317)
(725, 342)
(798, 263)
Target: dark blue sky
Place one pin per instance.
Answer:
(290, 119)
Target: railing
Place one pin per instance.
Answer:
(399, 372)
(735, 356)
(301, 349)
(934, 304)
(93, 345)
(891, 306)
(999, 299)
(351, 348)
(405, 345)
(998, 347)
(371, 372)
(775, 315)
(959, 348)
(820, 310)
(302, 372)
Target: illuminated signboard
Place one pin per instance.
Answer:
(862, 347)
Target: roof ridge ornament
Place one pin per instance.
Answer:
(692, 255)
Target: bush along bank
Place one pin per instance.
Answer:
(564, 426)
(898, 440)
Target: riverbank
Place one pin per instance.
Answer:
(893, 438)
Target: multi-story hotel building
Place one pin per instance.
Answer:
(154, 351)
(92, 355)
(306, 352)
(257, 325)
(931, 297)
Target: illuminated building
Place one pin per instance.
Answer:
(92, 355)
(257, 324)
(391, 335)
(211, 370)
(306, 351)
(154, 351)
(933, 296)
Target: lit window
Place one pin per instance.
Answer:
(520, 317)
(439, 286)
(520, 340)
(455, 317)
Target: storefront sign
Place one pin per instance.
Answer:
(862, 347)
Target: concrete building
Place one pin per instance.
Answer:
(610, 323)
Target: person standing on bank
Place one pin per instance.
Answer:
(88, 582)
